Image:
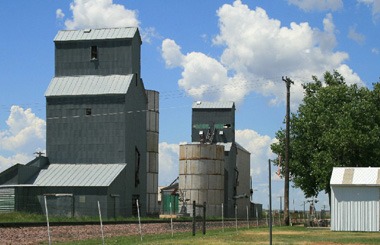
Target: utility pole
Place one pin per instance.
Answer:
(288, 81)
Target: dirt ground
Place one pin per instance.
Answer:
(37, 235)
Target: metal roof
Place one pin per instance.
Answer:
(79, 175)
(88, 85)
(242, 148)
(355, 176)
(213, 105)
(227, 146)
(96, 34)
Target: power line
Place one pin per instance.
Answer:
(171, 94)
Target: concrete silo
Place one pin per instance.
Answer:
(152, 125)
(201, 176)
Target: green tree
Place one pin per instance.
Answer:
(336, 125)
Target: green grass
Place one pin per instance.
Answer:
(21, 217)
(30, 217)
(18, 217)
(281, 235)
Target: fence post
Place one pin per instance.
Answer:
(257, 218)
(247, 217)
(101, 222)
(138, 214)
(222, 217)
(171, 218)
(47, 220)
(204, 218)
(236, 223)
(193, 218)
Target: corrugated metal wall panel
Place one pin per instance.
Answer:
(355, 208)
(7, 200)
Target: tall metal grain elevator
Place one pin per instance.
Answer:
(101, 131)
(106, 114)
(214, 168)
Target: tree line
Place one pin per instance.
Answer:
(336, 125)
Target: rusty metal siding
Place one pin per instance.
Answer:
(201, 175)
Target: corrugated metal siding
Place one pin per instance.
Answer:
(355, 176)
(88, 85)
(95, 34)
(213, 105)
(355, 199)
(7, 200)
(355, 208)
(79, 174)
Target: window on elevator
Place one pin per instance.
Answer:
(94, 52)
(88, 111)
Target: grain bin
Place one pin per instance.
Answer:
(152, 124)
(201, 175)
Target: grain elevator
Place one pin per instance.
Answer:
(214, 168)
(101, 130)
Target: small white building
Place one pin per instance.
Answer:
(355, 199)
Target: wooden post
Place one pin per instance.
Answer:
(204, 218)
(193, 218)
(288, 81)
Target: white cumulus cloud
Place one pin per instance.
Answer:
(171, 52)
(59, 14)
(258, 51)
(320, 5)
(356, 36)
(100, 14)
(374, 5)
(259, 147)
(24, 135)
(6, 162)
(168, 163)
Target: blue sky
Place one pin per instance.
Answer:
(193, 50)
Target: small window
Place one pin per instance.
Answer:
(94, 52)
(88, 111)
(137, 167)
(227, 125)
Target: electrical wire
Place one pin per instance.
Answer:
(165, 95)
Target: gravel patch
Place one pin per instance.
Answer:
(38, 235)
